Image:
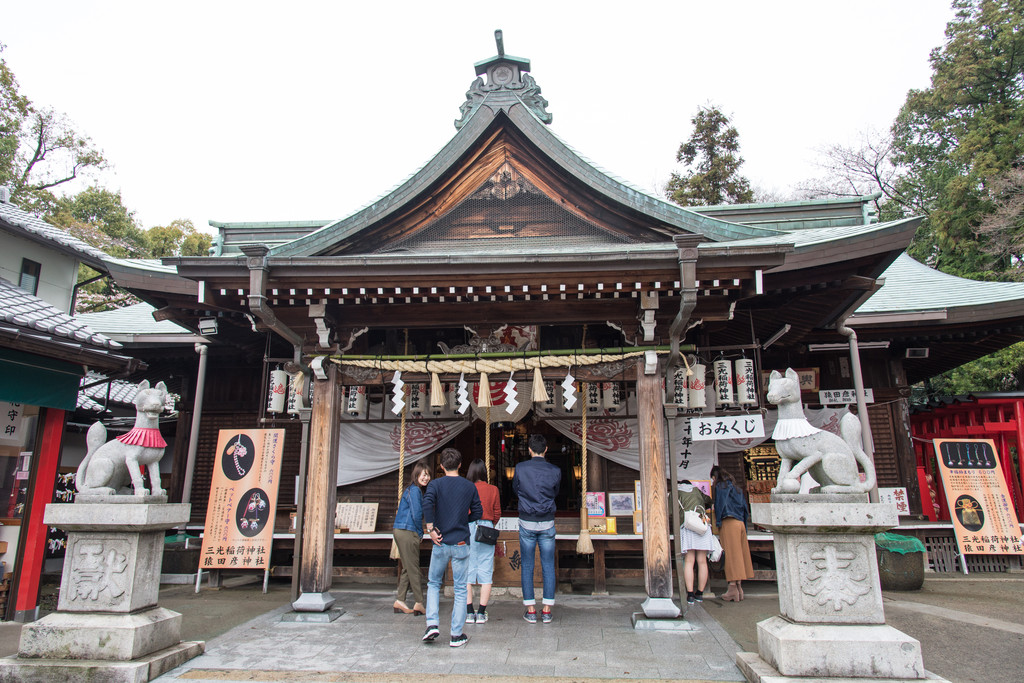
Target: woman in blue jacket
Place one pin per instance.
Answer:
(408, 535)
(731, 516)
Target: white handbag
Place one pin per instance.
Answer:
(694, 521)
(716, 549)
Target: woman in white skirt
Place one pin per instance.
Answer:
(695, 546)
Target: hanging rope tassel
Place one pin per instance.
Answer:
(584, 546)
(436, 392)
(483, 399)
(540, 392)
(401, 468)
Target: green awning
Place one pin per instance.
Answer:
(38, 380)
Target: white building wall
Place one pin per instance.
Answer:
(57, 275)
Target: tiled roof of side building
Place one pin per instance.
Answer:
(913, 286)
(38, 228)
(136, 319)
(23, 310)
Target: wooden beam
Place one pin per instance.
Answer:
(651, 424)
(321, 486)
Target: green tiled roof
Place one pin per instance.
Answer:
(912, 286)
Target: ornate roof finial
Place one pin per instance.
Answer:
(507, 84)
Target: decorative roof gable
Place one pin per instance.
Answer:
(507, 84)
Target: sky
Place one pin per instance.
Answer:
(261, 111)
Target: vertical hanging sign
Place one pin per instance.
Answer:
(243, 499)
(979, 501)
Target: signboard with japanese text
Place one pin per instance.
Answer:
(897, 496)
(358, 518)
(727, 427)
(243, 499)
(808, 378)
(11, 415)
(831, 397)
(981, 509)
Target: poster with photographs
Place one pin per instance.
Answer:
(243, 499)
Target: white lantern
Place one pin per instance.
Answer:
(356, 403)
(746, 386)
(612, 397)
(278, 391)
(723, 382)
(300, 393)
(549, 387)
(696, 385)
(417, 398)
(593, 397)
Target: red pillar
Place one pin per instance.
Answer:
(1018, 415)
(32, 542)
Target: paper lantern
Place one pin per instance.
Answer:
(696, 387)
(417, 398)
(277, 391)
(611, 397)
(746, 386)
(680, 389)
(549, 404)
(300, 393)
(723, 382)
(355, 405)
(593, 397)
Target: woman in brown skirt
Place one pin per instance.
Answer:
(731, 515)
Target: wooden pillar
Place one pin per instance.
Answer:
(657, 549)
(321, 495)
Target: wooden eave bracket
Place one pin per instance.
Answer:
(648, 307)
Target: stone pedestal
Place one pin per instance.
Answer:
(831, 622)
(108, 626)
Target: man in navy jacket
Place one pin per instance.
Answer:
(449, 505)
(536, 484)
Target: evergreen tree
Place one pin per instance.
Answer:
(956, 139)
(712, 157)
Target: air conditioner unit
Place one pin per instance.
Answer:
(916, 352)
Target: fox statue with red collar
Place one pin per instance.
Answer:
(109, 466)
(832, 460)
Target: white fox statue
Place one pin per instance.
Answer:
(109, 466)
(831, 460)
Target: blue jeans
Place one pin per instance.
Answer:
(528, 542)
(439, 557)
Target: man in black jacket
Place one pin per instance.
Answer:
(536, 484)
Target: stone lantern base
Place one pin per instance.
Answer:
(831, 623)
(108, 627)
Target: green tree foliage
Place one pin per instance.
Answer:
(39, 148)
(955, 139)
(178, 238)
(711, 155)
(999, 371)
(116, 230)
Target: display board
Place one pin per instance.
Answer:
(243, 500)
(981, 509)
(356, 517)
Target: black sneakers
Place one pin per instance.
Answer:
(431, 634)
(545, 617)
(530, 616)
(459, 640)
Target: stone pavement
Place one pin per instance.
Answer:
(970, 628)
